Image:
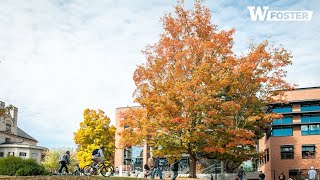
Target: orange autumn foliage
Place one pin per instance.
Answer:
(197, 96)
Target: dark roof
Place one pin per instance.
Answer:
(23, 134)
(302, 88)
(297, 89)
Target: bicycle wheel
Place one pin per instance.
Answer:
(87, 170)
(106, 171)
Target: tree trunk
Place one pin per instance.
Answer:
(192, 166)
(231, 166)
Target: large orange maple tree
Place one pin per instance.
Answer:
(197, 96)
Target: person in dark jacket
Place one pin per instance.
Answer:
(156, 168)
(282, 176)
(175, 168)
(262, 175)
(241, 173)
(64, 160)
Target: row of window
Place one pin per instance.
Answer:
(304, 106)
(283, 131)
(310, 106)
(21, 154)
(308, 151)
(305, 118)
(312, 129)
(133, 152)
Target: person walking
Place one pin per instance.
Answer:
(312, 173)
(76, 171)
(150, 162)
(262, 175)
(156, 168)
(282, 176)
(146, 170)
(241, 173)
(64, 161)
(175, 168)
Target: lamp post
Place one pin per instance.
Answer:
(274, 174)
(215, 169)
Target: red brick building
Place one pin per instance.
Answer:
(128, 159)
(291, 144)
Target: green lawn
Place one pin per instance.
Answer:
(67, 177)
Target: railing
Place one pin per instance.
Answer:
(211, 169)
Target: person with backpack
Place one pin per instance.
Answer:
(241, 173)
(156, 168)
(175, 168)
(98, 156)
(64, 161)
(312, 173)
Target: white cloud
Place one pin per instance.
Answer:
(60, 57)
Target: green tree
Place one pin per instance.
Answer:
(52, 157)
(95, 131)
(197, 96)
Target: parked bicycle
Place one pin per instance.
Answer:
(90, 170)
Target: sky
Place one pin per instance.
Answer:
(59, 57)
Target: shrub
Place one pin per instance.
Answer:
(21, 167)
(30, 171)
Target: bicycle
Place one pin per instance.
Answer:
(104, 170)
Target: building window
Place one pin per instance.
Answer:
(286, 131)
(308, 151)
(310, 118)
(284, 120)
(267, 155)
(127, 153)
(311, 129)
(282, 108)
(310, 106)
(287, 152)
(1, 154)
(34, 155)
(8, 140)
(10, 153)
(8, 127)
(137, 151)
(22, 154)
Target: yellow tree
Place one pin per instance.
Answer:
(197, 96)
(5, 110)
(95, 131)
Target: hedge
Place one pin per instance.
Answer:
(15, 166)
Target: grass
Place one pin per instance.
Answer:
(66, 178)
